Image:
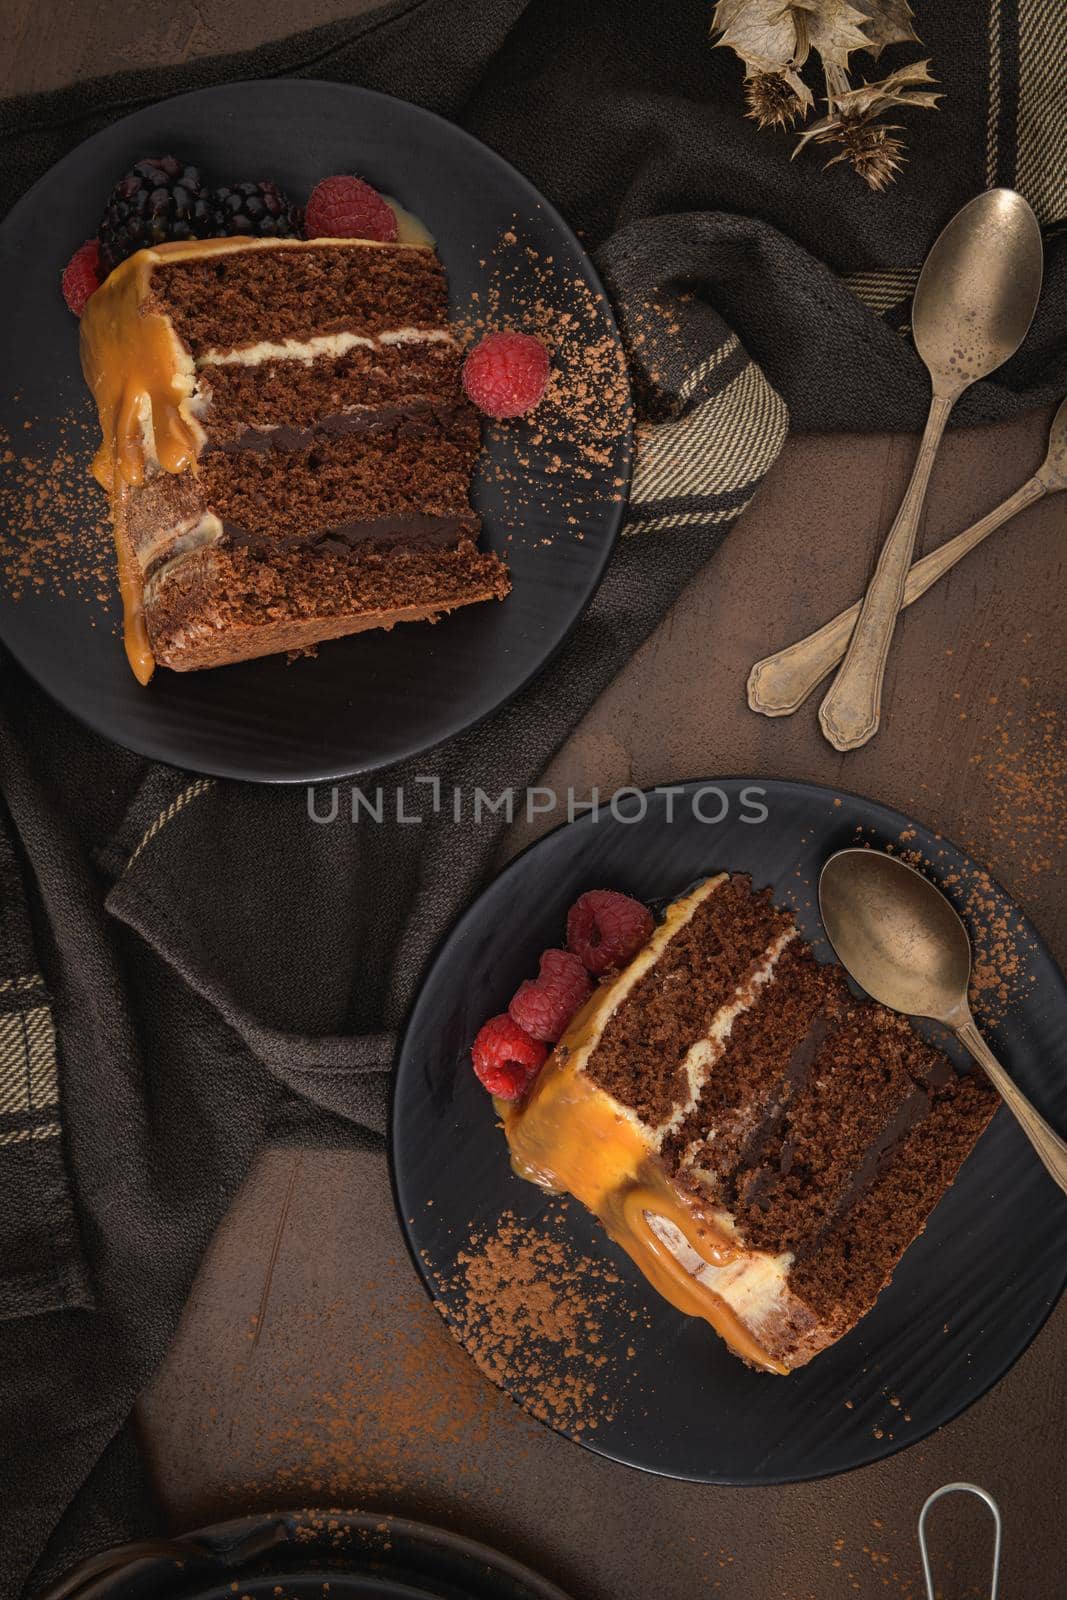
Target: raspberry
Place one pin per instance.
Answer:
(544, 1005)
(81, 276)
(605, 929)
(348, 208)
(506, 1060)
(506, 374)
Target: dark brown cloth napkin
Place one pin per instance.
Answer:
(189, 968)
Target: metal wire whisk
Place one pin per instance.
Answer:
(956, 1488)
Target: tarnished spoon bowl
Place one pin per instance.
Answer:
(902, 941)
(897, 935)
(978, 290)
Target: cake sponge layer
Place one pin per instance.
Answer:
(234, 397)
(420, 467)
(641, 1057)
(220, 301)
(222, 604)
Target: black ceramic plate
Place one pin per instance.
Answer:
(375, 698)
(349, 1555)
(966, 1300)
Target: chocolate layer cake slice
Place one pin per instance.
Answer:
(286, 444)
(762, 1143)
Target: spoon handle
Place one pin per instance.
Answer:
(779, 684)
(1049, 1146)
(849, 714)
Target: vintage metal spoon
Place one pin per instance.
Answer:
(974, 301)
(901, 940)
(779, 684)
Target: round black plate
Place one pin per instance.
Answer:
(374, 698)
(968, 1296)
(349, 1555)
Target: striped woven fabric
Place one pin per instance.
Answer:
(29, 1083)
(703, 465)
(39, 1248)
(711, 424)
(1025, 132)
(885, 289)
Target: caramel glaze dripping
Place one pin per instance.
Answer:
(143, 379)
(570, 1137)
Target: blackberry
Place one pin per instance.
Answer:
(256, 210)
(159, 199)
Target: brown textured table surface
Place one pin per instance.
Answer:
(310, 1367)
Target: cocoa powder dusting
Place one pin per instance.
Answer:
(887, 1559)
(552, 461)
(1022, 764)
(411, 1420)
(55, 536)
(534, 1314)
(386, 1429)
(1019, 783)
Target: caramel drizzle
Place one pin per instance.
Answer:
(143, 378)
(568, 1136)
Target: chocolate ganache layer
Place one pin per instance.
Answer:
(412, 527)
(417, 419)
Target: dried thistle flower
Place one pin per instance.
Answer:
(868, 145)
(775, 38)
(872, 151)
(777, 99)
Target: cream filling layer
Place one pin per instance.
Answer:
(703, 1052)
(236, 244)
(628, 980)
(703, 1055)
(755, 1286)
(324, 344)
(195, 533)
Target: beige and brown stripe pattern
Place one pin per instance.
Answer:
(29, 1080)
(191, 792)
(1041, 118)
(703, 465)
(884, 288)
(21, 985)
(1025, 127)
(42, 1267)
(993, 115)
(41, 1130)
